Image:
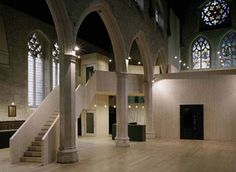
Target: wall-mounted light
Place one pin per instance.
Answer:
(95, 105)
(180, 61)
(129, 106)
(110, 60)
(175, 57)
(105, 106)
(114, 106)
(184, 64)
(129, 58)
(76, 48)
(136, 107)
(142, 107)
(139, 63)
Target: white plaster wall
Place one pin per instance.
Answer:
(156, 70)
(136, 113)
(97, 60)
(216, 92)
(102, 115)
(135, 69)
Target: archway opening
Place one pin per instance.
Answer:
(136, 111)
(95, 55)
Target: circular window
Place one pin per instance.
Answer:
(215, 12)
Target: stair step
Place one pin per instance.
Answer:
(50, 121)
(32, 154)
(52, 117)
(38, 138)
(34, 148)
(31, 159)
(44, 129)
(36, 143)
(41, 133)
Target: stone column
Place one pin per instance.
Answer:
(68, 151)
(150, 131)
(122, 138)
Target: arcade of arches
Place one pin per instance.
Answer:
(88, 68)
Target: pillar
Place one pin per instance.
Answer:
(150, 131)
(122, 138)
(67, 151)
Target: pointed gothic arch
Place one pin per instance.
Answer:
(144, 50)
(113, 30)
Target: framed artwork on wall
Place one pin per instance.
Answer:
(11, 110)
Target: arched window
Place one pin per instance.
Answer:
(228, 50)
(35, 71)
(201, 53)
(55, 65)
(215, 12)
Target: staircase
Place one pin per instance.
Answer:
(34, 151)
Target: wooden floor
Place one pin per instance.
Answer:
(159, 155)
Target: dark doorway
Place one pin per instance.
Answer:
(89, 72)
(191, 122)
(112, 118)
(79, 127)
(90, 123)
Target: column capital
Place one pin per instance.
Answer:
(72, 58)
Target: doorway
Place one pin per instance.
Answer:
(90, 123)
(89, 72)
(79, 127)
(191, 122)
(112, 118)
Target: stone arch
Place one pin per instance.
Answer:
(113, 31)
(144, 50)
(161, 60)
(63, 25)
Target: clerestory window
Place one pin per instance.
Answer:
(201, 52)
(227, 54)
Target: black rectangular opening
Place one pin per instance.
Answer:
(191, 122)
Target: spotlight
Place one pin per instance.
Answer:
(76, 48)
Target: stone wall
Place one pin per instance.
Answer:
(14, 76)
(191, 30)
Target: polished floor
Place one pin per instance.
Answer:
(159, 155)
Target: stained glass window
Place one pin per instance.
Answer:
(228, 50)
(35, 71)
(215, 12)
(55, 65)
(200, 53)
